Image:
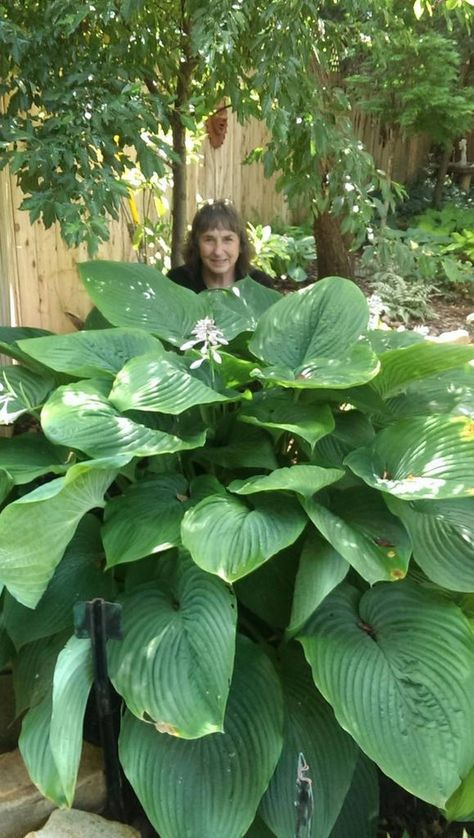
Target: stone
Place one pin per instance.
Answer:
(457, 336)
(23, 808)
(71, 823)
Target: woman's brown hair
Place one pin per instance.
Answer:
(217, 215)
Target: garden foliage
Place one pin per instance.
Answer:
(285, 511)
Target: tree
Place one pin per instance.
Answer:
(149, 73)
(125, 80)
(90, 91)
(415, 77)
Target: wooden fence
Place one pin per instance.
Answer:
(39, 285)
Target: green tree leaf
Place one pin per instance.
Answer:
(231, 538)
(397, 665)
(420, 458)
(235, 767)
(175, 662)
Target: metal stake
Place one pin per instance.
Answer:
(100, 620)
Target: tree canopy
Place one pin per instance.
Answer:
(91, 91)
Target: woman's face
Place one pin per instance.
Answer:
(219, 250)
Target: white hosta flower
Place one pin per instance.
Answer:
(207, 333)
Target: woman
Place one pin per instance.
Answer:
(217, 251)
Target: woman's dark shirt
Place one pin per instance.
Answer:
(187, 278)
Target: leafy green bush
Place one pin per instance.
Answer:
(284, 510)
(405, 268)
(284, 254)
(449, 219)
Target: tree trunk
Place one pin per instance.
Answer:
(179, 193)
(440, 176)
(333, 257)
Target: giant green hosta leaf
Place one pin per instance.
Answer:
(360, 527)
(140, 296)
(175, 662)
(9, 337)
(321, 568)
(230, 537)
(238, 309)
(384, 340)
(36, 752)
(310, 727)
(169, 775)
(357, 365)
(164, 384)
(442, 534)
(305, 480)
(352, 429)
(78, 576)
(29, 455)
(71, 686)
(51, 735)
(145, 519)
(6, 484)
(268, 591)
(321, 321)
(33, 670)
(402, 366)
(21, 390)
(447, 392)
(420, 458)
(278, 410)
(89, 354)
(80, 415)
(460, 806)
(359, 816)
(36, 529)
(252, 449)
(397, 665)
(7, 649)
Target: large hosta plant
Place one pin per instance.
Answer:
(283, 503)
